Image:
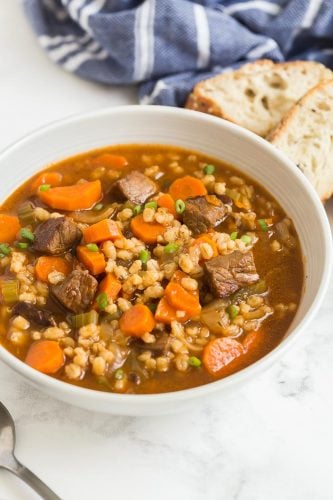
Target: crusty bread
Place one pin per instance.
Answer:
(257, 95)
(305, 135)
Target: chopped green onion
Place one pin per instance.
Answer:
(151, 204)
(119, 374)
(137, 209)
(180, 206)
(144, 256)
(84, 319)
(92, 247)
(209, 169)
(2, 256)
(9, 291)
(232, 311)
(26, 213)
(246, 239)
(263, 224)
(5, 249)
(98, 207)
(234, 235)
(22, 245)
(27, 234)
(194, 361)
(171, 248)
(102, 301)
(152, 306)
(44, 187)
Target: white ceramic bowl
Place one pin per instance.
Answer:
(196, 131)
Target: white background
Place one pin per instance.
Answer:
(271, 440)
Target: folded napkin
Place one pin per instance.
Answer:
(168, 45)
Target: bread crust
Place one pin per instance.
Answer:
(202, 98)
(286, 123)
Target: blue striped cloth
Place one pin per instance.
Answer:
(166, 46)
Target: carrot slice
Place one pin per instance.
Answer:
(110, 285)
(52, 178)
(116, 162)
(187, 187)
(9, 227)
(137, 321)
(182, 300)
(75, 197)
(219, 353)
(46, 265)
(146, 231)
(104, 230)
(205, 238)
(165, 313)
(46, 356)
(254, 340)
(166, 201)
(177, 278)
(94, 261)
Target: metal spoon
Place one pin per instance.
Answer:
(9, 462)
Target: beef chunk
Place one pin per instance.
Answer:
(203, 213)
(228, 273)
(135, 187)
(56, 236)
(76, 292)
(159, 347)
(30, 312)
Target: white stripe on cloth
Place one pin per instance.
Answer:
(311, 13)
(149, 99)
(203, 36)
(259, 51)
(74, 7)
(144, 40)
(49, 41)
(265, 6)
(73, 63)
(92, 8)
(80, 53)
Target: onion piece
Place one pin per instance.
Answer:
(93, 216)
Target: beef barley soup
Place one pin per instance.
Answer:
(145, 269)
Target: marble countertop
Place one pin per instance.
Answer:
(272, 439)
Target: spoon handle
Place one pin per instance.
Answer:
(33, 481)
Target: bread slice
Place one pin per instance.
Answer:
(305, 135)
(257, 95)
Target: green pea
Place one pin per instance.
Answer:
(44, 187)
(209, 169)
(232, 311)
(151, 204)
(27, 234)
(92, 247)
(194, 361)
(137, 209)
(102, 301)
(246, 239)
(171, 248)
(144, 256)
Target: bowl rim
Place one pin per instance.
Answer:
(43, 380)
